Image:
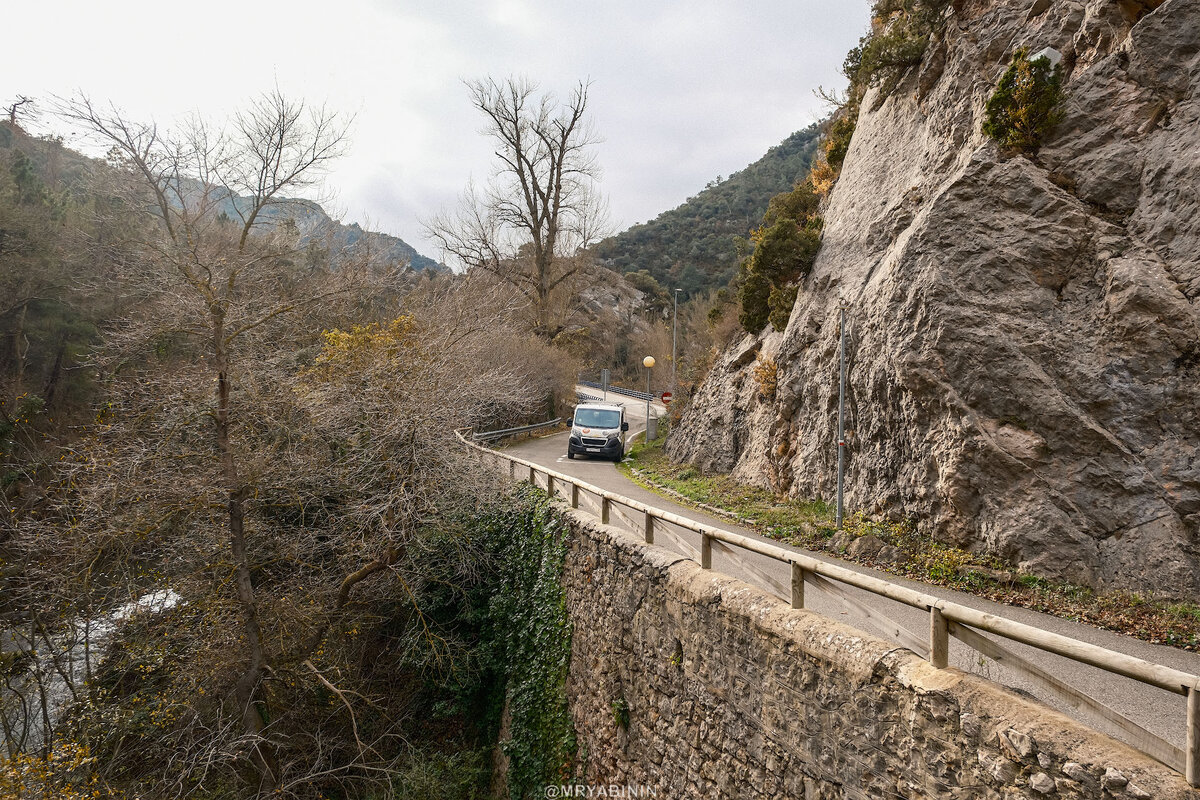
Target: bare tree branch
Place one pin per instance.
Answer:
(541, 207)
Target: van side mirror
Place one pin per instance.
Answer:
(624, 426)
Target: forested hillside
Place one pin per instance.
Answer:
(692, 247)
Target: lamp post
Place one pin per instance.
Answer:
(674, 325)
(651, 430)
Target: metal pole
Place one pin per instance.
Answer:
(841, 411)
(1191, 758)
(648, 405)
(674, 325)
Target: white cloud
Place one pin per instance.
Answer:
(682, 91)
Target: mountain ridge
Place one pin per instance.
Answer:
(692, 245)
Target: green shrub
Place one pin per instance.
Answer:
(785, 248)
(620, 710)
(754, 294)
(901, 30)
(802, 203)
(838, 135)
(785, 251)
(432, 775)
(1025, 106)
(780, 303)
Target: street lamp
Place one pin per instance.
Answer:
(651, 431)
(674, 323)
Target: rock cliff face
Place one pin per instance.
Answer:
(1023, 333)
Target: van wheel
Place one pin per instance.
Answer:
(570, 455)
(620, 455)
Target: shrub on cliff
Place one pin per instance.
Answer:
(785, 247)
(1026, 104)
(900, 34)
(754, 293)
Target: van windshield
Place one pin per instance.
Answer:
(597, 418)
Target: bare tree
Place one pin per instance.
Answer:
(274, 447)
(542, 206)
(18, 107)
(209, 290)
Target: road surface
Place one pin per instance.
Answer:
(1160, 712)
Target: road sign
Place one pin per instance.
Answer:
(666, 397)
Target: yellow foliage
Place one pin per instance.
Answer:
(64, 774)
(823, 177)
(766, 375)
(365, 344)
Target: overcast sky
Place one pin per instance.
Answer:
(681, 91)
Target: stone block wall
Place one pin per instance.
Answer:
(697, 685)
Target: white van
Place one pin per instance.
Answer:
(598, 429)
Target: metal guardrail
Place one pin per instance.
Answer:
(584, 397)
(621, 390)
(946, 618)
(488, 436)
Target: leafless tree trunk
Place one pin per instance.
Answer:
(542, 206)
(14, 108)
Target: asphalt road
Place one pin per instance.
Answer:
(1156, 710)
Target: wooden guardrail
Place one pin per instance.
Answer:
(946, 618)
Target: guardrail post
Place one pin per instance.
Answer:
(705, 551)
(1191, 756)
(533, 476)
(797, 586)
(939, 639)
(550, 485)
(512, 470)
(603, 510)
(648, 527)
(574, 495)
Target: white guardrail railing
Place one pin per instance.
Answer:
(634, 393)
(487, 436)
(946, 618)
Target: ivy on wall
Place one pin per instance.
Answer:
(527, 639)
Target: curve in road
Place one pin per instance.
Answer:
(1158, 711)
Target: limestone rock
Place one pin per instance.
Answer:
(1042, 783)
(1113, 779)
(1017, 743)
(866, 547)
(1076, 772)
(1024, 335)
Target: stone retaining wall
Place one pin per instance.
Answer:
(697, 685)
